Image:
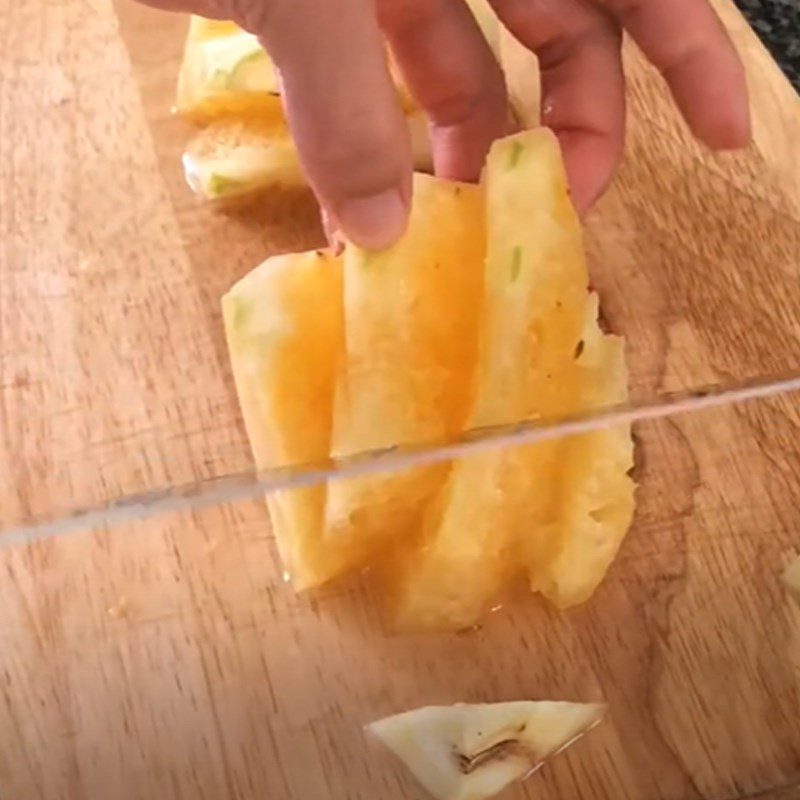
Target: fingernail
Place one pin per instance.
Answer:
(374, 222)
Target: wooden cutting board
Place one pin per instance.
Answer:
(167, 659)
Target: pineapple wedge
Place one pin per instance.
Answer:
(595, 496)
(472, 752)
(225, 70)
(235, 156)
(496, 509)
(411, 322)
(479, 316)
(284, 325)
(238, 155)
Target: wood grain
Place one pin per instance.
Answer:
(168, 659)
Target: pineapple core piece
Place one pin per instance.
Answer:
(472, 752)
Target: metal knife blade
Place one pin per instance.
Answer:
(249, 485)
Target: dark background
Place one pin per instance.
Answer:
(777, 22)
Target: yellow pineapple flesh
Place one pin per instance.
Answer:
(411, 318)
(479, 316)
(533, 306)
(595, 495)
(283, 323)
(225, 70)
(237, 155)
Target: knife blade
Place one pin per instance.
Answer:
(253, 484)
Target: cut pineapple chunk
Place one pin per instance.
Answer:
(472, 752)
(411, 332)
(595, 498)
(497, 506)
(225, 70)
(237, 155)
(283, 324)
(479, 316)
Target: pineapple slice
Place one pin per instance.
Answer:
(411, 318)
(472, 752)
(495, 509)
(235, 156)
(225, 70)
(479, 316)
(238, 155)
(283, 324)
(595, 498)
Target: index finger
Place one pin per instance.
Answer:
(688, 44)
(583, 87)
(454, 76)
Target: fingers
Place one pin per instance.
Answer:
(687, 42)
(453, 75)
(583, 101)
(583, 87)
(343, 111)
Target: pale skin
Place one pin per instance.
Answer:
(349, 129)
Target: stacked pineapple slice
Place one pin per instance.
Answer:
(479, 316)
(225, 71)
(229, 87)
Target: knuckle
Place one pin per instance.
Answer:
(457, 104)
(255, 16)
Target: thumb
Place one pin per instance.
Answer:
(343, 112)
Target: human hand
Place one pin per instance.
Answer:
(349, 130)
